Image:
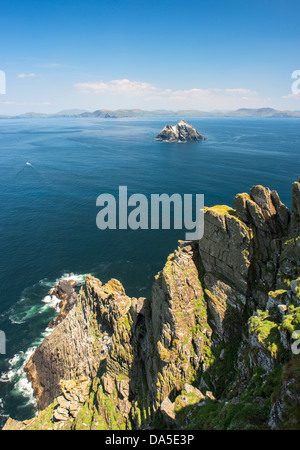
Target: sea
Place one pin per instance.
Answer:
(52, 171)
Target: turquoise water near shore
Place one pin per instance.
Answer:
(48, 208)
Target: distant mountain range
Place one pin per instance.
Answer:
(119, 113)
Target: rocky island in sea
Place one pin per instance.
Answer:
(182, 132)
(214, 347)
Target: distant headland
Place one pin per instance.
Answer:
(120, 113)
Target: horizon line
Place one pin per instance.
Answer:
(78, 112)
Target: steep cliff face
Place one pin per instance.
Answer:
(213, 347)
(72, 350)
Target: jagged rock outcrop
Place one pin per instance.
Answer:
(214, 347)
(182, 132)
(72, 350)
(64, 291)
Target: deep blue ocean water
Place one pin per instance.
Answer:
(48, 208)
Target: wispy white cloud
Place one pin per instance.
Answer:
(116, 86)
(205, 93)
(26, 75)
(147, 95)
(238, 91)
(292, 96)
(146, 89)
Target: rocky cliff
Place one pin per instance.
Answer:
(214, 347)
(182, 132)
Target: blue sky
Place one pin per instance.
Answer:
(96, 54)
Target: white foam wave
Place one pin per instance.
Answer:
(2, 413)
(23, 311)
(26, 313)
(22, 385)
(17, 376)
(78, 278)
(19, 314)
(50, 302)
(15, 321)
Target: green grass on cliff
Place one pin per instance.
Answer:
(291, 320)
(249, 411)
(266, 330)
(229, 416)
